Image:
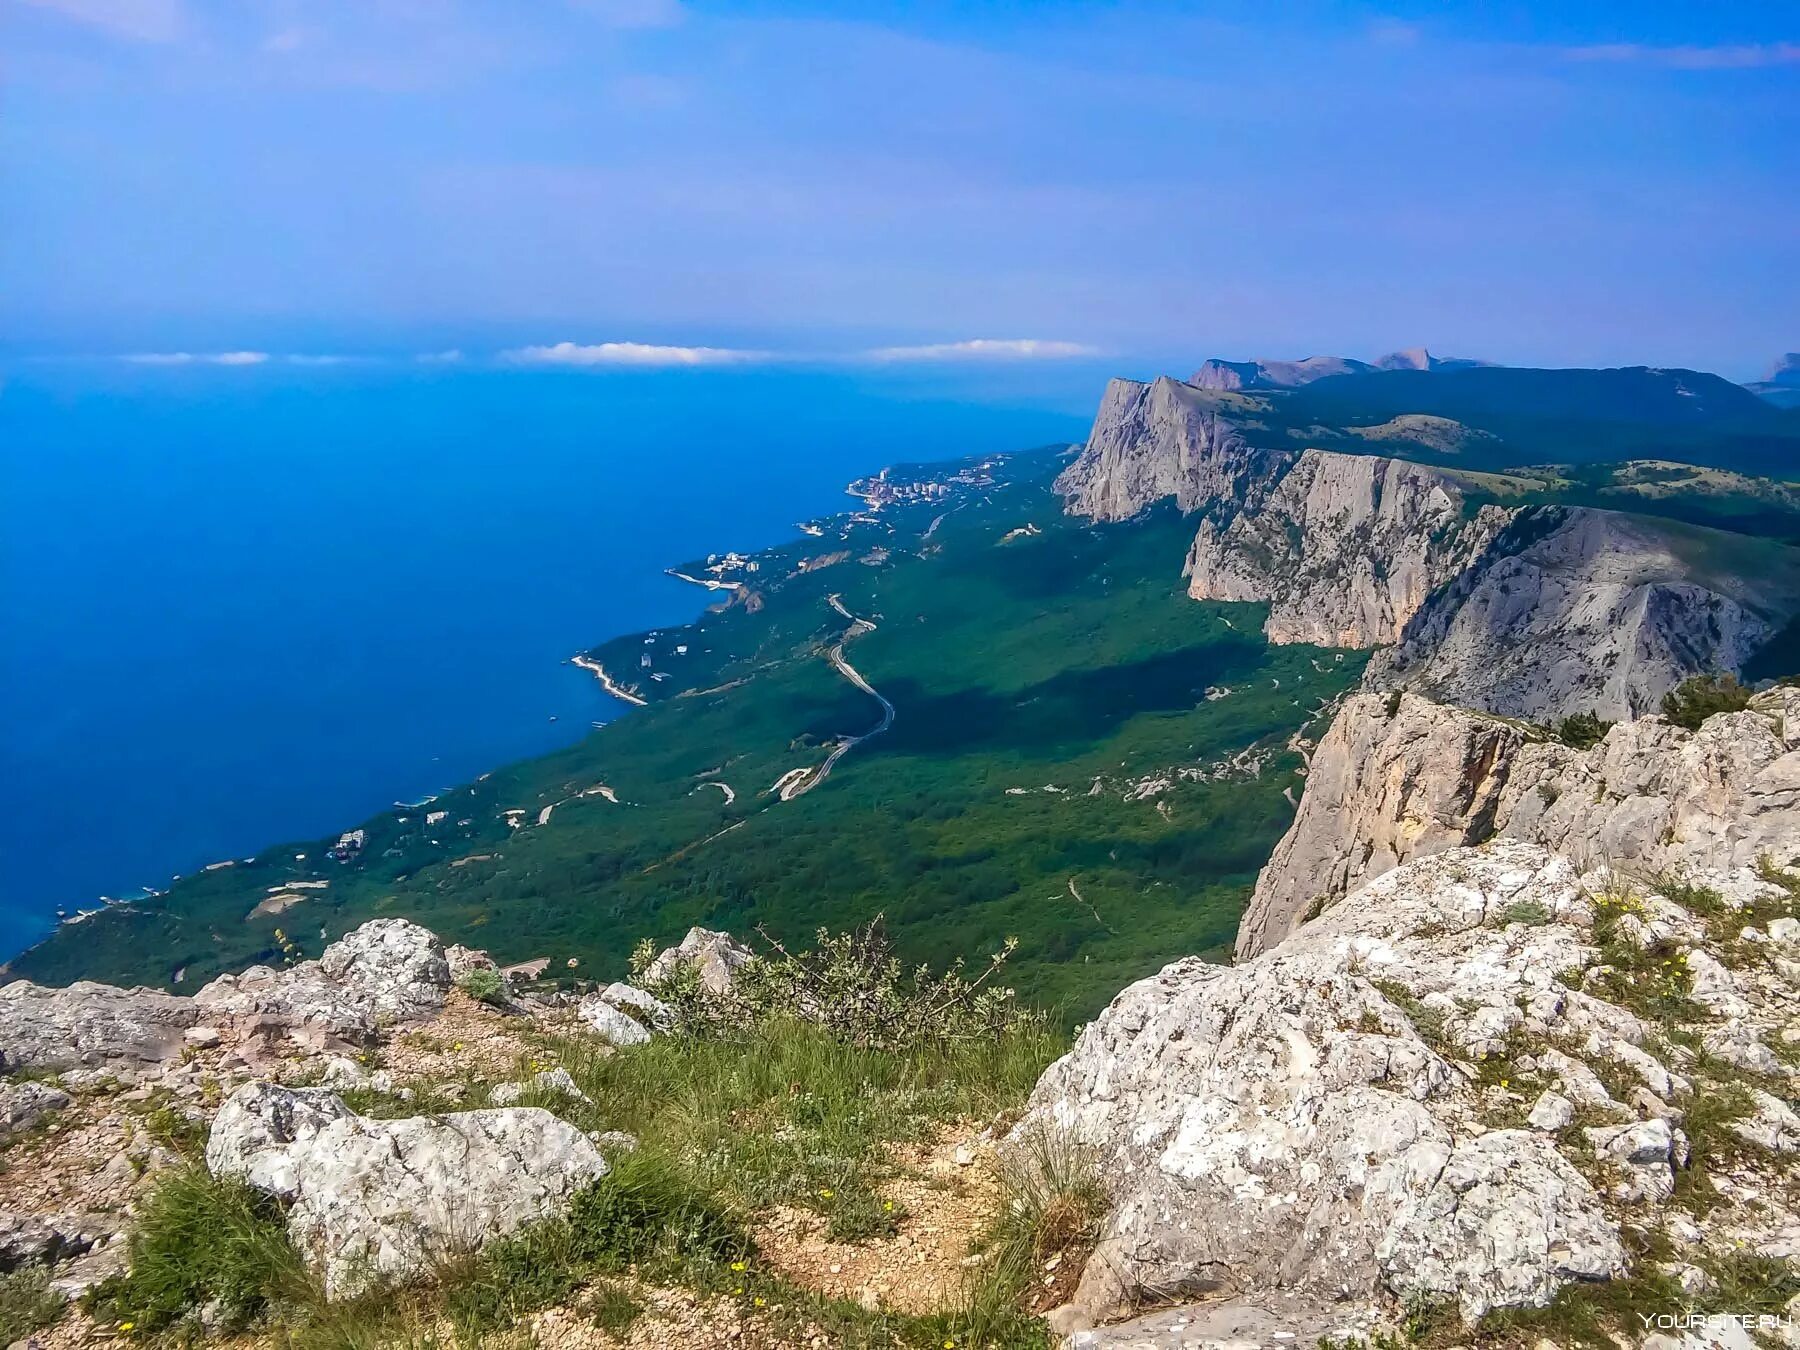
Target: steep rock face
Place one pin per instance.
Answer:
(1345, 548)
(1164, 440)
(1284, 1124)
(1385, 788)
(1569, 611)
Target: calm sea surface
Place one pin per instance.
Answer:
(242, 606)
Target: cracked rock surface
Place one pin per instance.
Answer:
(372, 1201)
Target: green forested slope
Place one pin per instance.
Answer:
(1039, 668)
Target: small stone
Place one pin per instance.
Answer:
(202, 1038)
(1552, 1112)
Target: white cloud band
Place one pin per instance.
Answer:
(630, 354)
(984, 349)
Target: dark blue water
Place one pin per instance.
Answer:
(243, 606)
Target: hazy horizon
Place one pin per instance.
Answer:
(1135, 185)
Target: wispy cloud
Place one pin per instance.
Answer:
(984, 349)
(630, 354)
(139, 20)
(197, 358)
(448, 357)
(305, 359)
(1741, 56)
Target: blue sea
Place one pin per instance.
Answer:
(244, 606)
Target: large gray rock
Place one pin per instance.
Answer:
(89, 1025)
(373, 1202)
(386, 971)
(1652, 797)
(1284, 1124)
(1345, 548)
(717, 956)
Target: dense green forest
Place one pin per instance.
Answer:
(1050, 684)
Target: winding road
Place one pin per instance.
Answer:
(792, 787)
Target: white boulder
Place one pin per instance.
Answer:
(372, 1202)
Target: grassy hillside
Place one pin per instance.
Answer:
(1049, 684)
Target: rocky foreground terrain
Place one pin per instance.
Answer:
(1523, 1069)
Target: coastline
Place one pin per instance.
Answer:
(928, 480)
(607, 682)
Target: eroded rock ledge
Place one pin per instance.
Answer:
(1401, 777)
(1433, 1092)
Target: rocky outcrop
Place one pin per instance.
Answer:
(388, 970)
(1345, 548)
(88, 1024)
(1263, 373)
(1163, 440)
(715, 957)
(1571, 611)
(1442, 1090)
(1403, 778)
(1285, 1123)
(1526, 611)
(374, 1201)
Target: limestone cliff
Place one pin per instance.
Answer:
(1534, 612)
(1345, 548)
(1387, 786)
(1165, 440)
(1570, 611)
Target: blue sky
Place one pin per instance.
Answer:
(1140, 184)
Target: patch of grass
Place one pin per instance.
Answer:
(783, 1111)
(175, 1130)
(1426, 1020)
(612, 1309)
(1590, 1316)
(200, 1241)
(1527, 912)
(1708, 1113)
(26, 1303)
(1051, 1207)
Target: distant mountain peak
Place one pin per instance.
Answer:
(1267, 373)
(1785, 370)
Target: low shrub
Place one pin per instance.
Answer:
(1694, 700)
(1581, 731)
(484, 986)
(855, 987)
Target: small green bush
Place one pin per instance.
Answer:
(1581, 731)
(26, 1303)
(1694, 700)
(484, 986)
